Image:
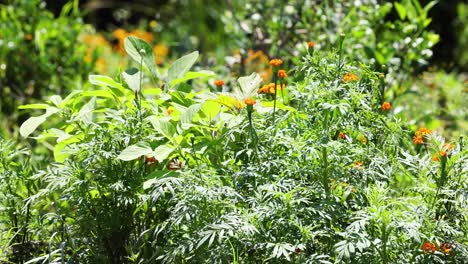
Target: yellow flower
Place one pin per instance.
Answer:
(350, 77)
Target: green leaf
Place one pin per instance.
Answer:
(164, 126)
(191, 75)
(279, 105)
(133, 78)
(181, 66)
(141, 52)
(156, 175)
(106, 81)
(135, 151)
(188, 115)
(86, 112)
(98, 93)
(34, 106)
(163, 151)
(32, 123)
(401, 10)
(248, 86)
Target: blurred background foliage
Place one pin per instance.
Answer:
(49, 47)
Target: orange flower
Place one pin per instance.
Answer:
(150, 161)
(435, 158)
(276, 62)
(270, 88)
(418, 140)
(386, 106)
(219, 83)
(429, 247)
(443, 154)
(342, 135)
(447, 147)
(160, 53)
(446, 248)
(250, 101)
(358, 165)
(282, 74)
(350, 77)
(170, 111)
(310, 44)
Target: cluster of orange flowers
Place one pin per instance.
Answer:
(418, 138)
(429, 247)
(446, 147)
(276, 62)
(342, 135)
(282, 74)
(270, 88)
(350, 77)
(386, 106)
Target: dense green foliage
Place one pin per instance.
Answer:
(325, 157)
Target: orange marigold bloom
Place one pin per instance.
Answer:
(219, 83)
(423, 131)
(418, 140)
(443, 154)
(170, 111)
(249, 101)
(276, 62)
(429, 247)
(342, 135)
(358, 165)
(446, 248)
(435, 158)
(310, 44)
(386, 106)
(350, 77)
(282, 74)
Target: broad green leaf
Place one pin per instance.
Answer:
(98, 93)
(135, 151)
(163, 151)
(86, 112)
(133, 78)
(59, 149)
(400, 10)
(181, 66)
(163, 126)
(141, 52)
(248, 86)
(156, 175)
(211, 110)
(190, 76)
(102, 80)
(230, 102)
(56, 100)
(32, 123)
(188, 115)
(34, 106)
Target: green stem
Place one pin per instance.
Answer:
(325, 183)
(274, 96)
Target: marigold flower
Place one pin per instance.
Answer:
(350, 77)
(435, 158)
(445, 248)
(219, 83)
(423, 131)
(270, 88)
(443, 154)
(249, 101)
(342, 135)
(418, 140)
(447, 147)
(282, 74)
(160, 53)
(310, 44)
(386, 106)
(276, 62)
(429, 247)
(150, 161)
(170, 111)
(358, 165)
